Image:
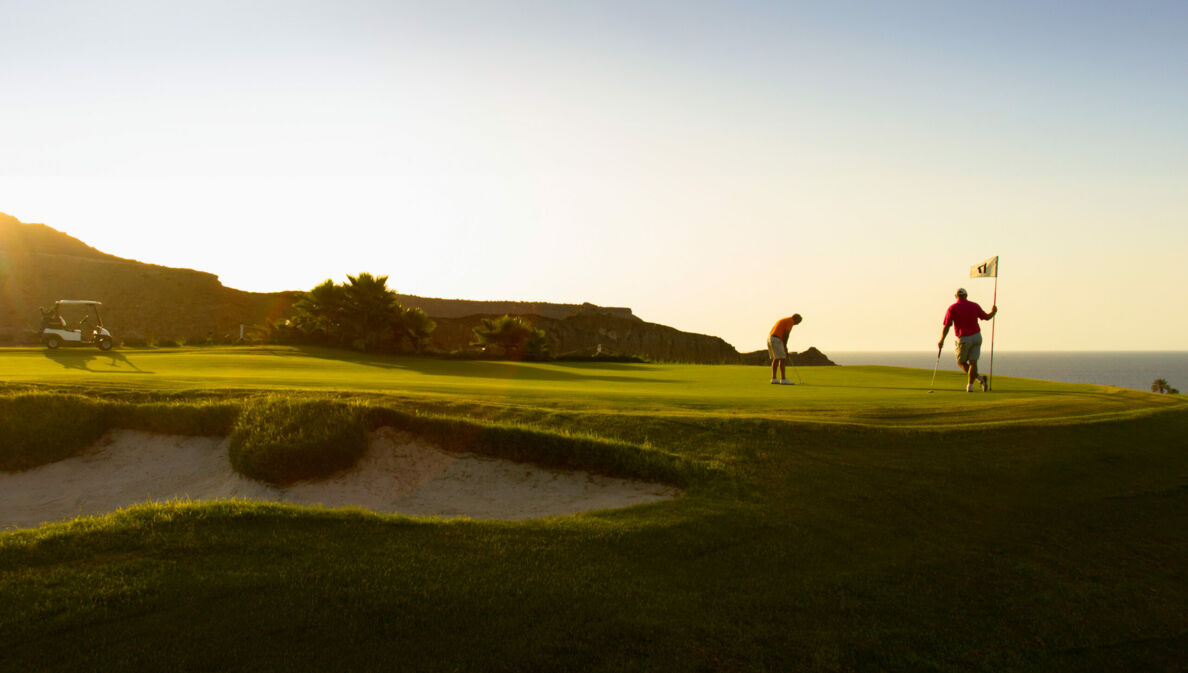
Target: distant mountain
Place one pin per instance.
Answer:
(39, 264)
(16, 237)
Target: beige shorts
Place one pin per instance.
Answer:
(969, 348)
(775, 348)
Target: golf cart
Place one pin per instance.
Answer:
(54, 331)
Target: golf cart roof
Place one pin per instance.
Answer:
(84, 302)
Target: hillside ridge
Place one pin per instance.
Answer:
(39, 264)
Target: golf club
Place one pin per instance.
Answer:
(934, 368)
(795, 371)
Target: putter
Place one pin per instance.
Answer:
(795, 371)
(934, 368)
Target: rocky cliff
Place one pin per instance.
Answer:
(591, 330)
(461, 308)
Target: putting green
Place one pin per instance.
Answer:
(866, 395)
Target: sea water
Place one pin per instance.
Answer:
(1126, 369)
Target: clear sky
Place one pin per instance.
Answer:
(713, 165)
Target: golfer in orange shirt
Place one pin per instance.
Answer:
(777, 347)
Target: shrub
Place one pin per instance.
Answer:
(280, 440)
(167, 343)
(137, 342)
(1162, 386)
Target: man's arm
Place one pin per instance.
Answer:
(945, 333)
(990, 315)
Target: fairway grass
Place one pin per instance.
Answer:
(868, 395)
(853, 523)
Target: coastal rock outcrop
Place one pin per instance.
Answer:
(809, 358)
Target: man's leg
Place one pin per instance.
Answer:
(973, 376)
(774, 367)
(782, 361)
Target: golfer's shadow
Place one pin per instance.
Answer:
(118, 363)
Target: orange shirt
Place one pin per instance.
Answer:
(782, 327)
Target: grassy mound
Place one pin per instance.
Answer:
(282, 440)
(40, 428)
(43, 427)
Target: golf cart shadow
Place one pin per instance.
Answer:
(117, 363)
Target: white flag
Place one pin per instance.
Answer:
(987, 269)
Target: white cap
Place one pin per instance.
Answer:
(961, 292)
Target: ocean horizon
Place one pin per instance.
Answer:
(1125, 369)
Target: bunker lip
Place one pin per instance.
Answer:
(398, 474)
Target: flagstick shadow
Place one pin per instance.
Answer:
(961, 391)
(834, 385)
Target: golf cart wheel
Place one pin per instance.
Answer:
(104, 343)
(52, 342)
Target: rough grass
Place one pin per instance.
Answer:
(40, 428)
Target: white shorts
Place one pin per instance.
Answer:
(775, 348)
(969, 348)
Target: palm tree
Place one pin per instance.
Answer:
(1160, 386)
(372, 309)
(537, 346)
(322, 311)
(362, 313)
(416, 326)
(509, 334)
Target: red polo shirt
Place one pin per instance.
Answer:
(964, 315)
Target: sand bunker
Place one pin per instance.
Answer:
(397, 474)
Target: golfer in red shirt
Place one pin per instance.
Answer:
(964, 316)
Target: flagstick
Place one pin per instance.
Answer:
(993, 322)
